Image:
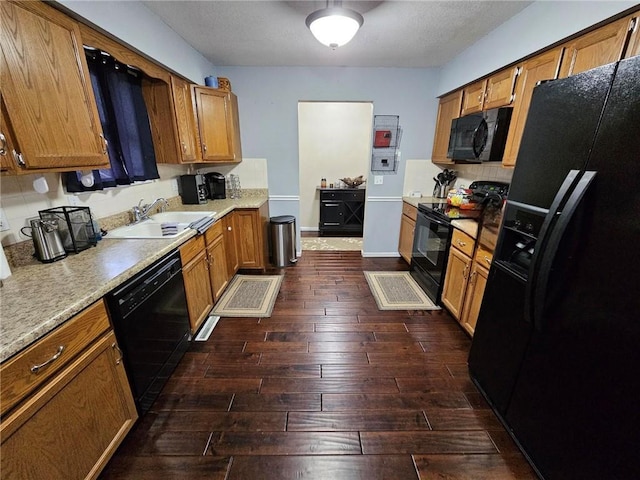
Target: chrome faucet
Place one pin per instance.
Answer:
(141, 213)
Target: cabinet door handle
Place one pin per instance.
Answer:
(465, 271)
(229, 229)
(204, 147)
(37, 368)
(461, 243)
(487, 259)
(331, 204)
(3, 145)
(104, 144)
(472, 278)
(115, 346)
(184, 147)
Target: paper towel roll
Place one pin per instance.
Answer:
(5, 270)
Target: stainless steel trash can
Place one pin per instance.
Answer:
(283, 241)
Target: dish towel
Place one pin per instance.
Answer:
(202, 225)
(169, 228)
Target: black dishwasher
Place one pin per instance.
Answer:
(151, 322)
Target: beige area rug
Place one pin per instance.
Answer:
(249, 296)
(332, 243)
(398, 291)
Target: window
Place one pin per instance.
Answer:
(125, 122)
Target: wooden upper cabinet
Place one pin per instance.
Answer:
(473, 97)
(541, 67)
(47, 90)
(185, 121)
(448, 109)
(599, 47)
(492, 92)
(500, 88)
(633, 48)
(218, 125)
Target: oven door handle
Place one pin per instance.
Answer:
(431, 219)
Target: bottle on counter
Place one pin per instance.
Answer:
(323, 183)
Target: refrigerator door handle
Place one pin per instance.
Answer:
(546, 263)
(543, 239)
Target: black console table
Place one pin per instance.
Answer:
(341, 211)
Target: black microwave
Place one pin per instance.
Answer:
(479, 137)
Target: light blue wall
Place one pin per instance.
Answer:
(539, 25)
(268, 104)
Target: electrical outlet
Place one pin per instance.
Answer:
(73, 200)
(4, 223)
(378, 179)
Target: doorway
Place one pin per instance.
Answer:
(334, 142)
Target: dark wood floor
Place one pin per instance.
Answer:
(329, 388)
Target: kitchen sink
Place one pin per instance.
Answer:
(152, 227)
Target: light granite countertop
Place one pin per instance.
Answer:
(468, 226)
(38, 297)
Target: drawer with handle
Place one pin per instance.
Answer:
(24, 372)
(484, 257)
(463, 242)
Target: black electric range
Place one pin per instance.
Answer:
(433, 230)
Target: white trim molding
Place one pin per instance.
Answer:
(384, 199)
(284, 198)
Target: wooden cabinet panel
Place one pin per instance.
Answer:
(541, 67)
(50, 353)
(71, 427)
(47, 90)
(230, 244)
(473, 98)
(188, 138)
(500, 88)
(197, 285)
(455, 283)
(218, 125)
(596, 48)
(405, 244)
(410, 211)
(633, 47)
(473, 300)
(448, 109)
(249, 239)
(217, 267)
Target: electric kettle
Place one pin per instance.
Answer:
(46, 240)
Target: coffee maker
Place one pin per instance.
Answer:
(216, 185)
(192, 189)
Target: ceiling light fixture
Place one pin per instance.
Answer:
(334, 26)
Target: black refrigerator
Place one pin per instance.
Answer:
(556, 350)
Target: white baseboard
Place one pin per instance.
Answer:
(380, 254)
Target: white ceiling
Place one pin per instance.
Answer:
(273, 33)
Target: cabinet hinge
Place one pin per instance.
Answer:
(513, 98)
(633, 24)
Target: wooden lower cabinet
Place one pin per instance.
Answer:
(455, 282)
(473, 299)
(197, 283)
(71, 426)
(216, 257)
(251, 237)
(407, 230)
